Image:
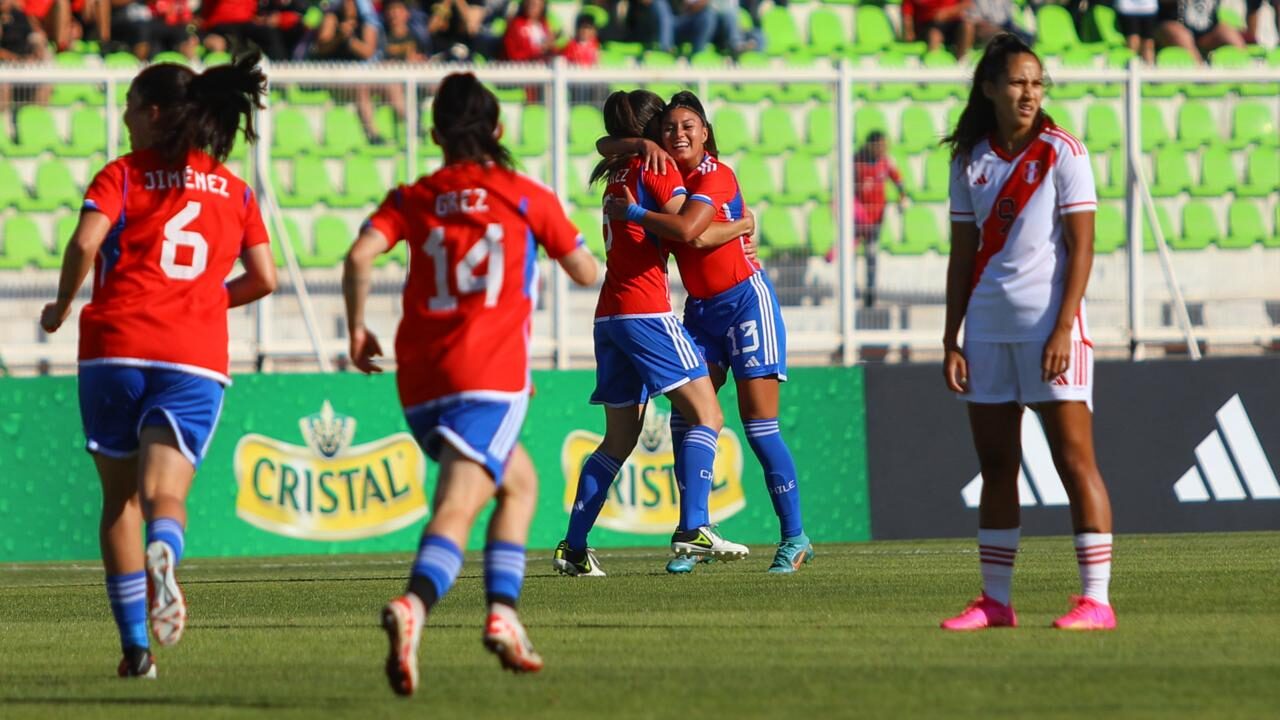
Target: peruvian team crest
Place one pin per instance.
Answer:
(1032, 171)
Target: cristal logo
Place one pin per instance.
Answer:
(329, 489)
(644, 497)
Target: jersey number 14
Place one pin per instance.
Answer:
(464, 271)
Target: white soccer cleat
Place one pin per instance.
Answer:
(404, 630)
(168, 608)
(505, 637)
(706, 542)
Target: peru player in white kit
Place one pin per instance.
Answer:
(1022, 213)
(473, 229)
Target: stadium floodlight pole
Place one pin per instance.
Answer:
(1133, 211)
(559, 99)
(845, 250)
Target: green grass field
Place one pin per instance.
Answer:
(853, 635)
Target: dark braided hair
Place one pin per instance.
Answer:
(687, 100)
(465, 114)
(628, 115)
(202, 110)
(978, 119)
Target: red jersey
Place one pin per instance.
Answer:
(228, 12)
(869, 177)
(635, 278)
(924, 11)
(158, 283)
(709, 272)
(473, 277)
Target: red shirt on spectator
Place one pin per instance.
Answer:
(526, 39)
(924, 11)
(228, 12)
(586, 54)
(869, 177)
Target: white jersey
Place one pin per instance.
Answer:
(1017, 203)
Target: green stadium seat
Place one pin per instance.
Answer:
(1196, 127)
(292, 134)
(581, 192)
(936, 186)
(755, 179)
(658, 60)
(866, 119)
(586, 125)
(300, 249)
(216, 58)
(1116, 168)
(902, 161)
(822, 230)
(389, 126)
(1077, 57)
(23, 246)
(1102, 129)
(65, 94)
(873, 33)
(1199, 228)
(1166, 227)
(1245, 226)
(311, 185)
(826, 33)
(1217, 174)
(1262, 174)
(88, 134)
(36, 132)
(54, 188)
(588, 222)
(64, 228)
(884, 92)
(1171, 173)
(1061, 115)
(938, 91)
(1155, 134)
(1274, 240)
(535, 131)
(1100, 23)
(732, 133)
(332, 240)
(711, 60)
(918, 133)
(1055, 30)
(122, 61)
(343, 135)
(1252, 123)
(297, 95)
(919, 233)
(751, 93)
(779, 26)
(363, 187)
(777, 131)
(820, 135)
(13, 192)
(1111, 229)
(1229, 56)
(801, 181)
(778, 233)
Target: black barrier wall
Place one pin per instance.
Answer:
(1184, 447)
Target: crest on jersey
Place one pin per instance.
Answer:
(1032, 173)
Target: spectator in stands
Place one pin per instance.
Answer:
(233, 24)
(584, 49)
(1137, 20)
(992, 17)
(1194, 26)
(21, 42)
(938, 23)
(349, 33)
(131, 27)
(528, 37)
(455, 27)
(667, 24)
(872, 167)
(1252, 9)
(55, 19)
(172, 27)
(728, 34)
(287, 19)
(402, 42)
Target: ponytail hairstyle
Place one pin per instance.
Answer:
(978, 120)
(202, 111)
(465, 115)
(687, 100)
(627, 115)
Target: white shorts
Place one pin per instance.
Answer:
(1002, 372)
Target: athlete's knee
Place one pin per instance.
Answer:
(619, 444)
(710, 416)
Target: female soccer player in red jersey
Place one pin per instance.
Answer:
(1022, 213)
(732, 312)
(642, 350)
(462, 348)
(161, 228)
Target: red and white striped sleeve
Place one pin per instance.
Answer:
(1073, 181)
(961, 200)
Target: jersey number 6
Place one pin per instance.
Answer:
(489, 246)
(175, 235)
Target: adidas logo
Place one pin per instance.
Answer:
(1220, 465)
(752, 362)
(1037, 471)
(982, 179)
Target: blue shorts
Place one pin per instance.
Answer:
(642, 355)
(117, 401)
(483, 426)
(741, 328)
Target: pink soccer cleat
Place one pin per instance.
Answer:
(982, 613)
(1088, 614)
(506, 638)
(403, 633)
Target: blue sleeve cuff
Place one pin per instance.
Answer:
(635, 212)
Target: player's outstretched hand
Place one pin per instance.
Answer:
(1056, 356)
(364, 348)
(955, 369)
(52, 317)
(656, 158)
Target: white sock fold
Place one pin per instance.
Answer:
(1093, 555)
(997, 550)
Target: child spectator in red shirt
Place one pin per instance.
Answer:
(871, 168)
(528, 37)
(584, 48)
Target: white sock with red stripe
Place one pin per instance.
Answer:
(996, 552)
(1093, 554)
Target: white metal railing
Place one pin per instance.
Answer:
(556, 82)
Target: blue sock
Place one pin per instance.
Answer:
(438, 563)
(597, 475)
(169, 532)
(128, 597)
(695, 472)
(779, 473)
(503, 572)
